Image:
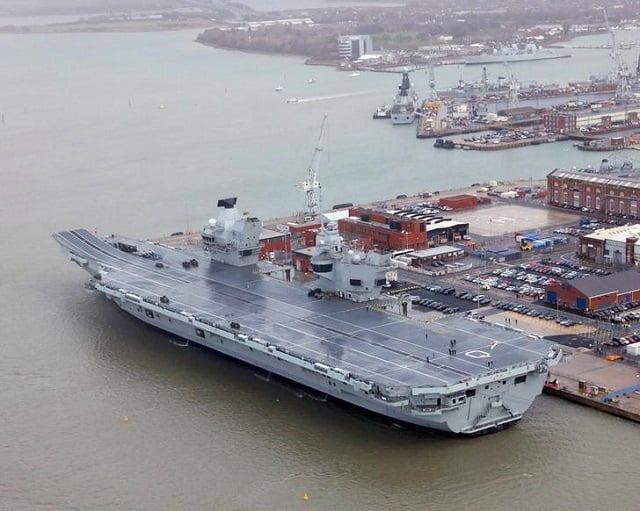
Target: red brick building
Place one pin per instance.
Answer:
(462, 201)
(560, 123)
(400, 229)
(274, 242)
(606, 194)
(303, 239)
(595, 293)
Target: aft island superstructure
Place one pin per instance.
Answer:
(331, 335)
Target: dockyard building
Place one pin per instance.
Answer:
(560, 123)
(399, 229)
(606, 116)
(618, 245)
(438, 257)
(253, 25)
(594, 292)
(593, 191)
(275, 245)
(462, 201)
(521, 116)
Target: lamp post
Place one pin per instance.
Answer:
(287, 247)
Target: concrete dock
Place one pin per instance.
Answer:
(591, 380)
(499, 145)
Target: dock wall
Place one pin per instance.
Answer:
(593, 403)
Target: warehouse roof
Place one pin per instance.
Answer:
(435, 251)
(621, 282)
(627, 181)
(620, 233)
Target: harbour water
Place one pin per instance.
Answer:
(141, 134)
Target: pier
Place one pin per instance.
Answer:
(423, 130)
(497, 144)
(608, 148)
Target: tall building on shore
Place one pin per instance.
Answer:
(353, 47)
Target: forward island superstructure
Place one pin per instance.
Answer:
(332, 335)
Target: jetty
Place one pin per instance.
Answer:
(498, 142)
(609, 144)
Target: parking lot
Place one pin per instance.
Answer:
(447, 299)
(513, 295)
(529, 278)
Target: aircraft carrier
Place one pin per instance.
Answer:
(338, 335)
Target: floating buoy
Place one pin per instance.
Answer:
(125, 419)
(161, 107)
(305, 497)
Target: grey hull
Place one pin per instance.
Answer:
(343, 349)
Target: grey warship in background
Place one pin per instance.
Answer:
(405, 102)
(513, 53)
(338, 336)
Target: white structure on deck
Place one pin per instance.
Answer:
(232, 238)
(349, 272)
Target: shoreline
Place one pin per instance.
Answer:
(91, 25)
(85, 27)
(253, 52)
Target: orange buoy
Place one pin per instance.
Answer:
(125, 419)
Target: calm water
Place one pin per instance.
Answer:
(273, 5)
(84, 142)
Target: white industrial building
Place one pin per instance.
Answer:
(617, 245)
(353, 47)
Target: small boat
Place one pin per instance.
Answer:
(382, 112)
(278, 88)
(312, 80)
(292, 100)
(351, 75)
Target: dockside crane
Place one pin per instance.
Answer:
(311, 186)
(514, 86)
(619, 73)
(433, 94)
(485, 80)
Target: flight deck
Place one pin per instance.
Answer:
(385, 348)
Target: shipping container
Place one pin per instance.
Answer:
(527, 235)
